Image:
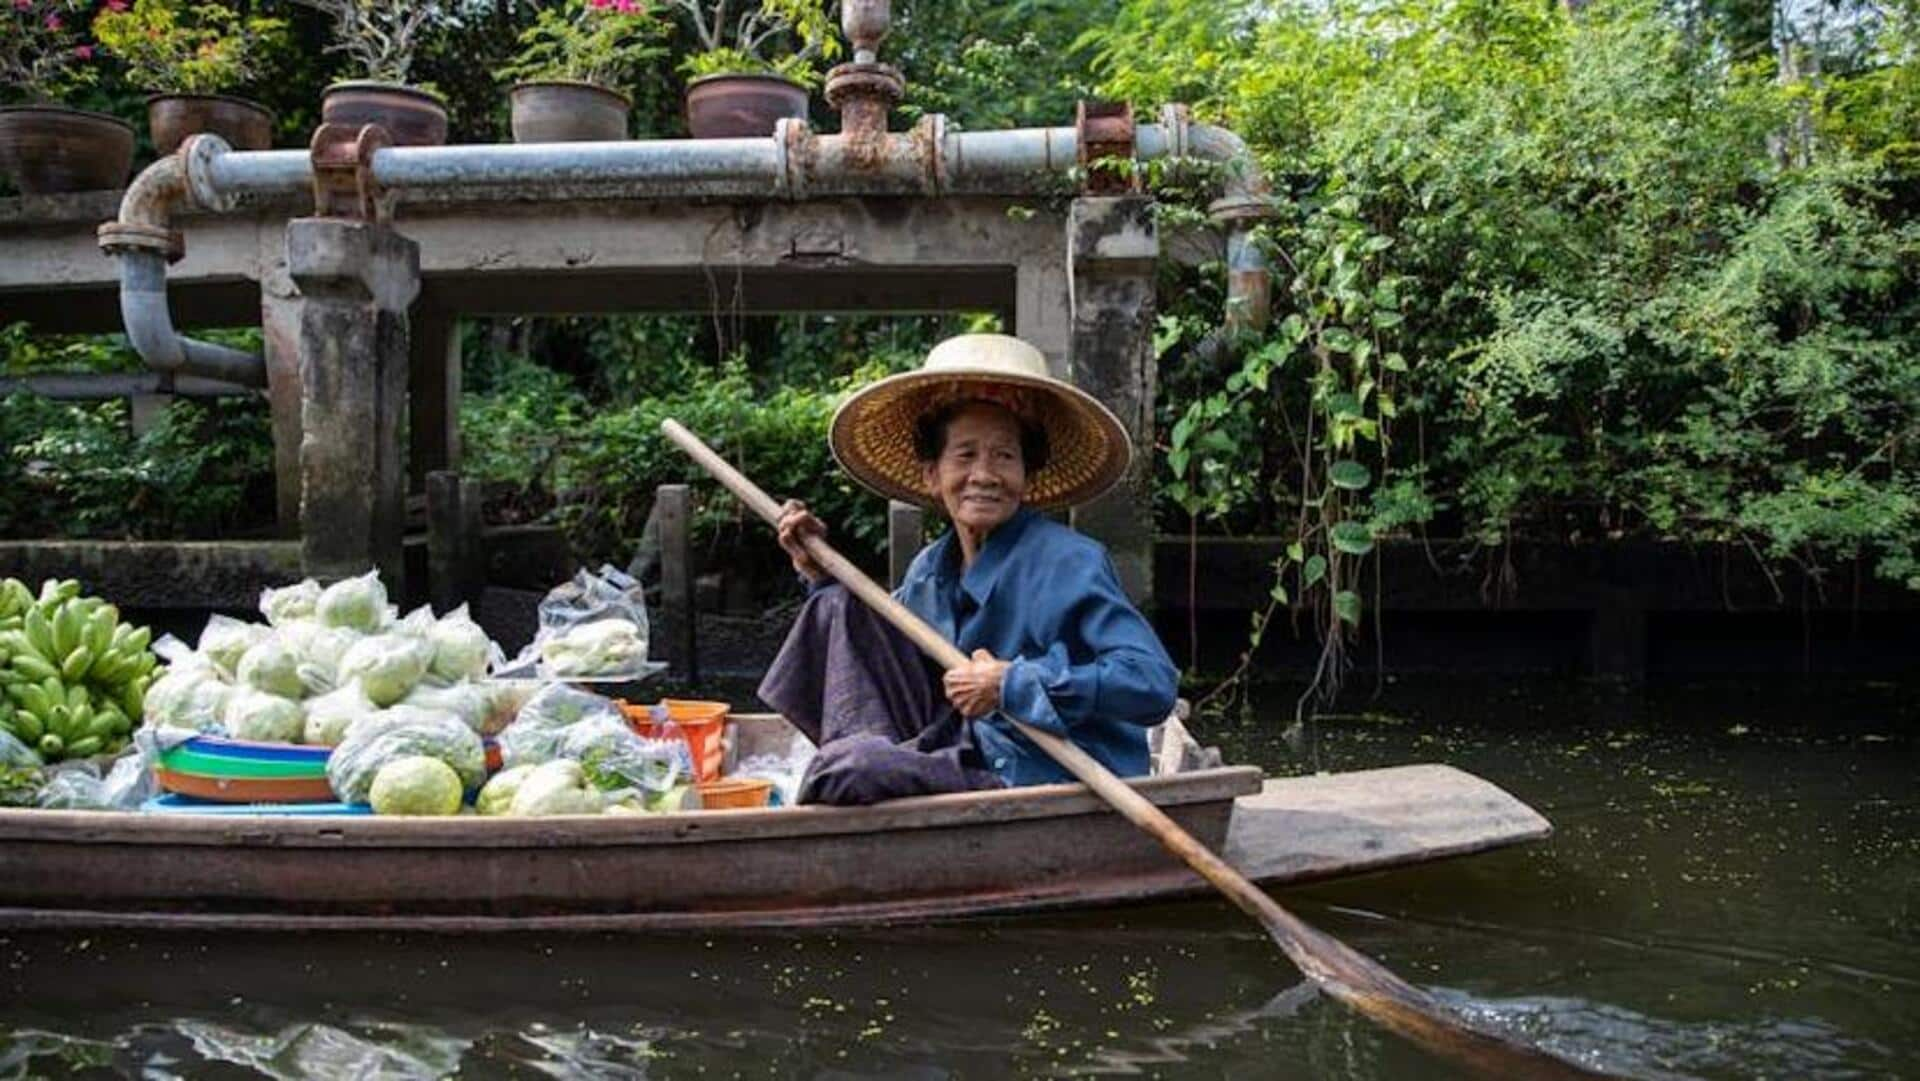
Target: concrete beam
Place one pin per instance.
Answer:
(159, 574)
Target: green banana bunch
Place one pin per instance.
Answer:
(73, 678)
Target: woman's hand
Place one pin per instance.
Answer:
(974, 687)
(796, 523)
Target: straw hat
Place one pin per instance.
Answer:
(872, 433)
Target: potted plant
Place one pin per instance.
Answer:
(381, 37)
(185, 54)
(47, 148)
(736, 91)
(569, 62)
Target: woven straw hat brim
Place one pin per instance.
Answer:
(872, 435)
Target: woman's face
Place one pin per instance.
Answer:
(981, 474)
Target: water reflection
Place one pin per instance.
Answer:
(1713, 904)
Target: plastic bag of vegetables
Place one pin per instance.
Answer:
(317, 649)
(225, 640)
(536, 734)
(290, 603)
(263, 718)
(559, 787)
(330, 716)
(388, 666)
(191, 694)
(380, 738)
(461, 650)
(617, 759)
(270, 665)
(358, 603)
(484, 707)
(592, 627)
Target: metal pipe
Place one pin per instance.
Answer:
(143, 240)
(143, 309)
(794, 164)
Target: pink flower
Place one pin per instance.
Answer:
(116, 5)
(53, 21)
(83, 52)
(22, 5)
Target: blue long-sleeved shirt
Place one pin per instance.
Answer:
(1084, 662)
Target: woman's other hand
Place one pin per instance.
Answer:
(797, 523)
(974, 687)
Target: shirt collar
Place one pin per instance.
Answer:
(979, 579)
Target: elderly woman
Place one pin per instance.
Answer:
(982, 433)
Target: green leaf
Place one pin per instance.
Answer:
(1350, 537)
(1295, 552)
(1339, 339)
(1314, 570)
(1346, 605)
(1182, 431)
(1349, 474)
(1278, 593)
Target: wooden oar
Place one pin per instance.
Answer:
(1344, 973)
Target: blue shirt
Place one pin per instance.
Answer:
(1085, 663)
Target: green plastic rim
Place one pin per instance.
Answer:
(208, 765)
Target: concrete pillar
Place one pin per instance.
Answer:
(356, 281)
(1042, 310)
(1112, 248)
(433, 395)
(280, 331)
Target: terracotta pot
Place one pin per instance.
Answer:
(50, 149)
(412, 116)
(742, 106)
(245, 125)
(565, 111)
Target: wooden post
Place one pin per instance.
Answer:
(433, 394)
(906, 524)
(673, 516)
(456, 555)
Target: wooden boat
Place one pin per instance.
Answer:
(932, 857)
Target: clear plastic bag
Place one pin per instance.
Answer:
(359, 603)
(593, 627)
(375, 740)
(461, 649)
(784, 770)
(536, 733)
(290, 603)
(15, 753)
(618, 759)
(388, 666)
(190, 694)
(225, 640)
(79, 785)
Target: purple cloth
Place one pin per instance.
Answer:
(864, 695)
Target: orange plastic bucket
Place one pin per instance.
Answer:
(734, 793)
(700, 723)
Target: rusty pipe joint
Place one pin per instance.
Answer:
(142, 239)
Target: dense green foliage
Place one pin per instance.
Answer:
(1547, 275)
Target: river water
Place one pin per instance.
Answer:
(1732, 890)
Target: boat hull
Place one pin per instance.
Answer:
(908, 860)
